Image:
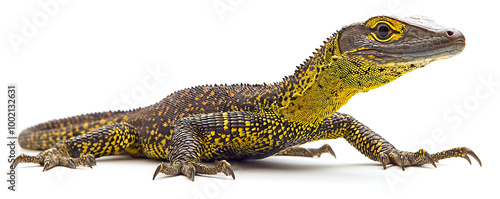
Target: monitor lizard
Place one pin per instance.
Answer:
(242, 121)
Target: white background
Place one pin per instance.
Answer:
(91, 56)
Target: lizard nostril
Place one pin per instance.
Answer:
(452, 34)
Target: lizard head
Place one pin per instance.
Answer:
(370, 54)
(361, 57)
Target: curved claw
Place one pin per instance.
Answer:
(189, 171)
(230, 172)
(88, 163)
(398, 158)
(226, 168)
(382, 157)
(471, 153)
(329, 149)
(46, 167)
(70, 163)
(158, 169)
(309, 154)
(48, 164)
(402, 159)
(468, 159)
(18, 160)
(86, 160)
(429, 158)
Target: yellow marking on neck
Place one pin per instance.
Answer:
(355, 50)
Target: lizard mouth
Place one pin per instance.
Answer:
(445, 44)
(431, 52)
(417, 52)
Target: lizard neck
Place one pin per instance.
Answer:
(314, 91)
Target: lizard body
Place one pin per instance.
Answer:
(241, 121)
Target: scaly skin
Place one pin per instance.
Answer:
(234, 122)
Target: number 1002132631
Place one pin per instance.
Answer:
(11, 110)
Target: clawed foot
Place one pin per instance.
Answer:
(53, 161)
(421, 157)
(190, 169)
(308, 152)
(55, 157)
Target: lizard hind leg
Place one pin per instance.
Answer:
(55, 156)
(82, 150)
(308, 152)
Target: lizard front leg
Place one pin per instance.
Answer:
(82, 150)
(377, 148)
(184, 154)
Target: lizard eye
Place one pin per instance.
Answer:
(383, 31)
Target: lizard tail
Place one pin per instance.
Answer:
(45, 135)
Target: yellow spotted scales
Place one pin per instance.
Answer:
(233, 122)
